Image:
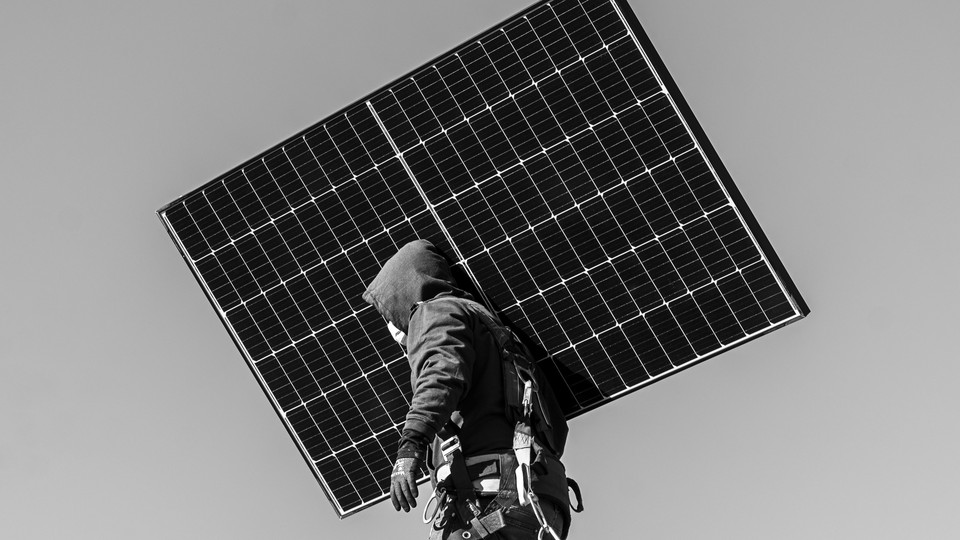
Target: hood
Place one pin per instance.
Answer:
(418, 272)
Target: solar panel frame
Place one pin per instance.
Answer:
(274, 220)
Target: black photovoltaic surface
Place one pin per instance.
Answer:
(556, 163)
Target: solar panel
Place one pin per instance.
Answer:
(556, 163)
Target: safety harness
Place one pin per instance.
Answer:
(459, 480)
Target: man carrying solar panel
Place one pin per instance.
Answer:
(496, 430)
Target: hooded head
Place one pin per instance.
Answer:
(418, 272)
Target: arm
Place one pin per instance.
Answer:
(441, 355)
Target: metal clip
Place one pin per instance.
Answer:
(493, 521)
(474, 509)
(522, 441)
(440, 502)
(523, 484)
(545, 527)
(448, 447)
(527, 398)
(488, 524)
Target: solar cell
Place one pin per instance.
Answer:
(556, 163)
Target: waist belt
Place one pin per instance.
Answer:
(484, 472)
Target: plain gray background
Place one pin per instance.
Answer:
(127, 412)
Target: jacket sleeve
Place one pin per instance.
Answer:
(441, 354)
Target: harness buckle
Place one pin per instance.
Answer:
(448, 447)
(488, 524)
(527, 398)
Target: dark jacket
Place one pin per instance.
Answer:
(456, 368)
(454, 359)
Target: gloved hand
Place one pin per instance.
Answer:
(403, 483)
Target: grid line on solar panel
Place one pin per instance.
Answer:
(332, 405)
(277, 278)
(278, 201)
(403, 142)
(521, 162)
(599, 196)
(587, 273)
(304, 335)
(318, 432)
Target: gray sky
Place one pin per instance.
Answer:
(127, 412)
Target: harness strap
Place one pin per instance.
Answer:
(453, 457)
(484, 470)
(522, 441)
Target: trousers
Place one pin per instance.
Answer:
(521, 524)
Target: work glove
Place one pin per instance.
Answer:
(403, 483)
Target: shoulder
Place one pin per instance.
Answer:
(441, 306)
(446, 310)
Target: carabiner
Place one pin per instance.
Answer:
(545, 527)
(527, 398)
(436, 509)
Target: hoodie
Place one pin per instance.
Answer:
(454, 359)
